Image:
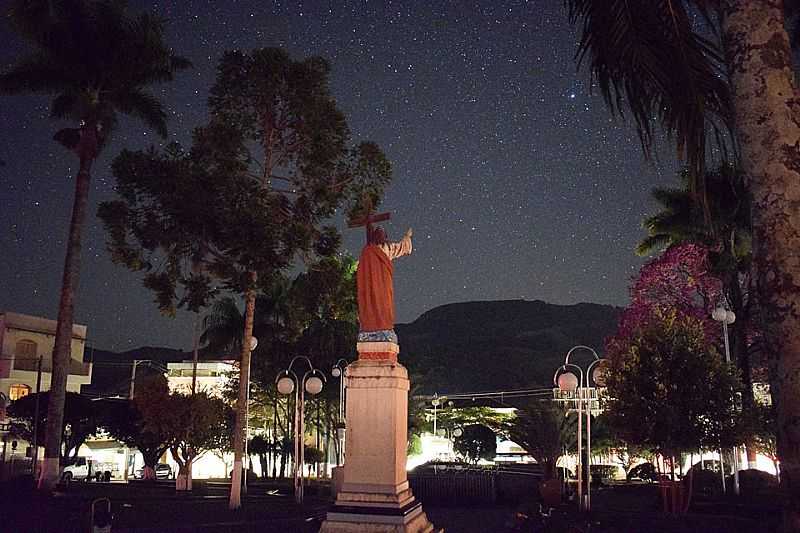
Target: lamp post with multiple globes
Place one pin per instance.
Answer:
(312, 383)
(575, 389)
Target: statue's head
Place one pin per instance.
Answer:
(377, 235)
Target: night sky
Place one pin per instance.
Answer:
(515, 178)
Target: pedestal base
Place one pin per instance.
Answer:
(375, 496)
(407, 519)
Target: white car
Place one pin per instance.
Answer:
(86, 469)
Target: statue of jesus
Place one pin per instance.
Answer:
(374, 282)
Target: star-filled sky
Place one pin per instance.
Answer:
(515, 178)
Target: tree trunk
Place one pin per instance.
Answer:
(282, 471)
(759, 59)
(183, 481)
(235, 500)
(63, 342)
(275, 439)
(262, 459)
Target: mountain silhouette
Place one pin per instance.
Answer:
(453, 348)
(496, 345)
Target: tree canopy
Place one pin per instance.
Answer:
(252, 194)
(476, 442)
(83, 418)
(668, 390)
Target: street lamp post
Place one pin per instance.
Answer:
(435, 402)
(312, 383)
(584, 396)
(726, 316)
(127, 455)
(338, 372)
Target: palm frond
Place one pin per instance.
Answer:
(222, 328)
(95, 57)
(35, 74)
(653, 243)
(143, 105)
(648, 61)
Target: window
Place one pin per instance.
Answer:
(25, 348)
(17, 391)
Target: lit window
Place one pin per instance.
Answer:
(25, 348)
(17, 391)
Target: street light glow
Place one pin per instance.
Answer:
(313, 385)
(567, 381)
(286, 385)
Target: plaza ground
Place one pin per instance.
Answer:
(151, 508)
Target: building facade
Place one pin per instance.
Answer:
(212, 376)
(24, 341)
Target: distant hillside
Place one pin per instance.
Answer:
(476, 346)
(462, 347)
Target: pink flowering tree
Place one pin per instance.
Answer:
(679, 279)
(666, 352)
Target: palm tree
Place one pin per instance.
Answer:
(683, 217)
(648, 58)
(222, 327)
(722, 223)
(96, 60)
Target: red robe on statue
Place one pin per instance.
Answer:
(375, 291)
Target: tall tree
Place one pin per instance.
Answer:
(144, 423)
(650, 59)
(98, 60)
(249, 199)
(768, 130)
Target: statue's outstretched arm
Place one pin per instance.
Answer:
(393, 250)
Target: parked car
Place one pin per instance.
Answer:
(163, 471)
(646, 472)
(87, 469)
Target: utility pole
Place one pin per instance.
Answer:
(36, 416)
(130, 397)
(196, 341)
(133, 377)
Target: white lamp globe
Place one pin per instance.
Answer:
(336, 372)
(567, 381)
(730, 317)
(458, 432)
(719, 314)
(435, 402)
(599, 375)
(253, 343)
(285, 385)
(313, 385)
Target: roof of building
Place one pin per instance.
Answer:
(35, 324)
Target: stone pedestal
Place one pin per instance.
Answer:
(375, 495)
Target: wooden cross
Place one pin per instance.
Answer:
(369, 218)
